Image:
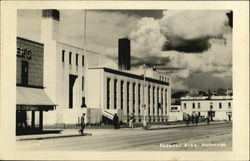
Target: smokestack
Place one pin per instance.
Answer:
(124, 54)
(50, 22)
(51, 13)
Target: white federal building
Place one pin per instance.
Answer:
(77, 84)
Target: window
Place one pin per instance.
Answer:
(149, 100)
(115, 94)
(76, 59)
(25, 73)
(128, 98)
(133, 98)
(122, 82)
(211, 105)
(108, 93)
(162, 101)
(193, 105)
(139, 98)
(185, 106)
(199, 105)
(153, 100)
(83, 103)
(63, 54)
(82, 83)
(220, 105)
(160, 77)
(82, 60)
(229, 104)
(70, 57)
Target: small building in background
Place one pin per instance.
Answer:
(216, 107)
(175, 113)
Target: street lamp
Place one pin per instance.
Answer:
(143, 98)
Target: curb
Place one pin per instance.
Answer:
(53, 137)
(183, 126)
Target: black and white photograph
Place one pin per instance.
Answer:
(126, 80)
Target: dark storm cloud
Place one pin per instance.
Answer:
(149, 61)
(191, 31)
(197, 45)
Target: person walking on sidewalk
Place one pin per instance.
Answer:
(196, 119)
(187, 119)
(115, 121)
(131, 121)
(208, 119)
(82, 123)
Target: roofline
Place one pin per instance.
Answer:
(207, 99)
(77, 47)
(118, 72)
(25, 39)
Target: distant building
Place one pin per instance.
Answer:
(217, 107)
(175, 113)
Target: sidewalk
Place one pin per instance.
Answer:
(157, 127)
(63, 133)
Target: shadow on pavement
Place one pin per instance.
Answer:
(37, 132)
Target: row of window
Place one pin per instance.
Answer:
(158, 99)
(211, 105)
(70, 58)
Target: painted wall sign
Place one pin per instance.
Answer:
(24, 52)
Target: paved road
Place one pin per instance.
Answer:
(127, 139)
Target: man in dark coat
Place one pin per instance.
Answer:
(115, 121)
(82, 123)
(208, 119)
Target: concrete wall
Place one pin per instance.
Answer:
(97, 98)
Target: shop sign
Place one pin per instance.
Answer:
(24, 52)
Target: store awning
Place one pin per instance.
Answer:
(33, 99)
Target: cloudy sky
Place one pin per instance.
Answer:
(194, 47)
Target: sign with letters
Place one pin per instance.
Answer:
(24, 52)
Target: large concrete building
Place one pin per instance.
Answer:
(77, 84)
(65, 67)
(121, 92)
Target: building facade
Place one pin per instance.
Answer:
(76, 84)
(121, 92)
(217, 107)
(64, 72)
(32, 100)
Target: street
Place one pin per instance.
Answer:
(208, 137)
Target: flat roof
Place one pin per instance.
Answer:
(126, 74)
(35, 42)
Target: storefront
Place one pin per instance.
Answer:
(32, 100)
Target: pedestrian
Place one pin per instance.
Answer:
(115, 121)
(131, 121)
(208, 119)
(82, 123)
(187, 119)
(192, 118)
(196, 119)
